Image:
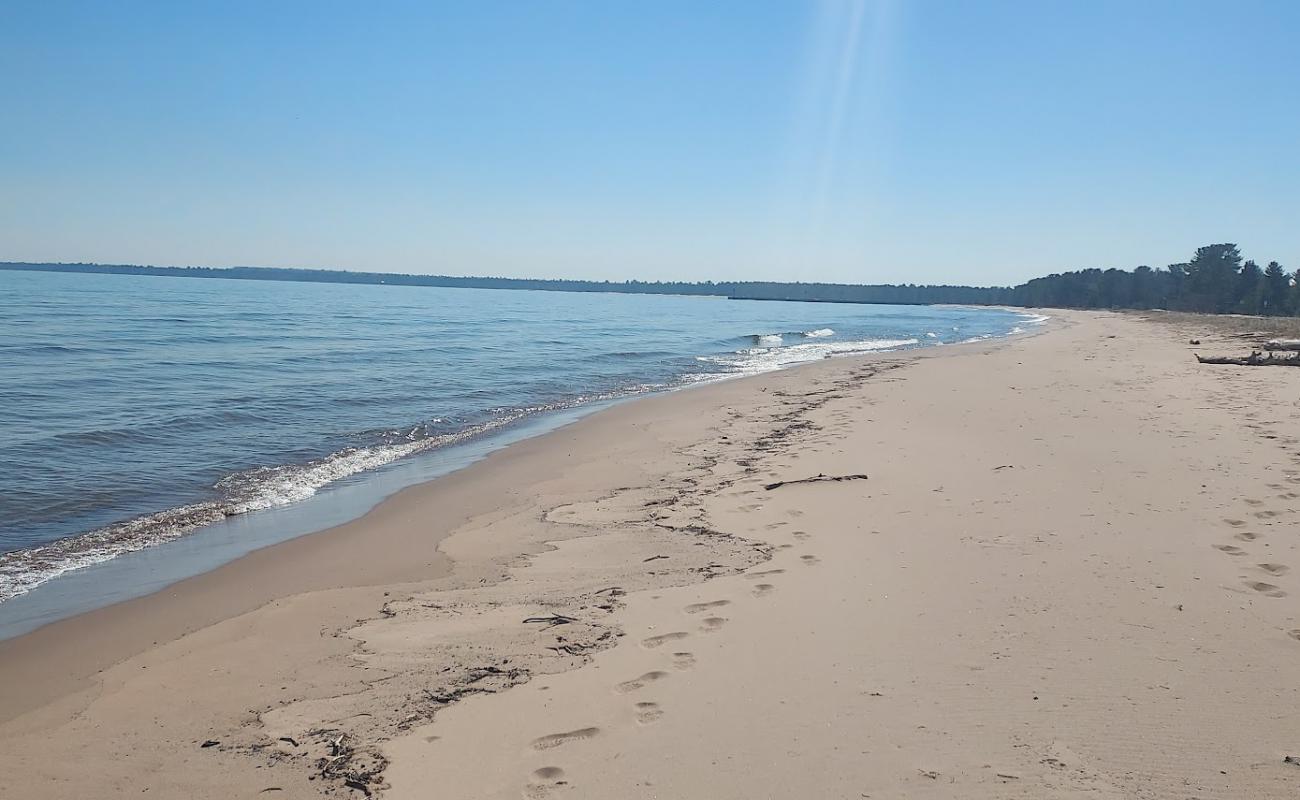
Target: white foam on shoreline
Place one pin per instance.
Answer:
(754, 360)
(254, 490)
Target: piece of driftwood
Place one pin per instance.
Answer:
(552, 620)
(816, 479)
(1282, 344)
(1255, 359)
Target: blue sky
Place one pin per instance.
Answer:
(872, 141)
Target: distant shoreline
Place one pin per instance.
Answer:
(875, 294)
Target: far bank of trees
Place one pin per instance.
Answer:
(1215, 281)
(742, 290)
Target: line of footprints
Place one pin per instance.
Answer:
(546, 781)
(1261, 575)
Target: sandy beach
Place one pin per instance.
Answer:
(1056, 565)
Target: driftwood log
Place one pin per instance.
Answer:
(815, 479)
(1255, 359)
(1282, 344)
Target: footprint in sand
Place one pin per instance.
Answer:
(1230, 549)
(794, 513)
(810, 560)
(697, 608)
(1274, 569)
(784, 546)
(763, 589)
(1236, 523)
(1266, 589)
(683, 660)
(711, 624)
(1267, 514)
(641, 682)
(801, 535)
(663, 638)
(557, 739)
(1246, 536)
(764, 574)
(1294, 634)
(647, 713)
(543, 782)
(1250, 502)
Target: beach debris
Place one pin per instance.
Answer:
(1193, 341)
(210, 743)
(551, 620)
(1292, 760)
(357, 769)
(479, 673)
(816, 479)
(1004, 466)
(569, 649)
(652, 558)
(356, 783)
(289, 739)
(1255, 359)
(271, 789)
(1282, 344)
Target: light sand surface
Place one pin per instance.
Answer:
(1067, 574)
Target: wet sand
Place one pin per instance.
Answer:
(1066, 573)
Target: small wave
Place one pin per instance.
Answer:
(1035, 319)
(768, 339)
(932, 335)
(755, 360)
(819, 333)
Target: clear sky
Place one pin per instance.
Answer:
(871, 141)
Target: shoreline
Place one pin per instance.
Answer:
(302, 518)
(1029, 522)
(120, 568)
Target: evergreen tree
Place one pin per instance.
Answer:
(1212, 277)
(1277, 290)
(1250, 289)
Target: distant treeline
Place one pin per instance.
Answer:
(1215, 281)
(744, 290)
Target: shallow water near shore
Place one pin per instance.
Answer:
(139, 411)
(142, 572)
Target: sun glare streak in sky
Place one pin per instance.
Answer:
(840, 143)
